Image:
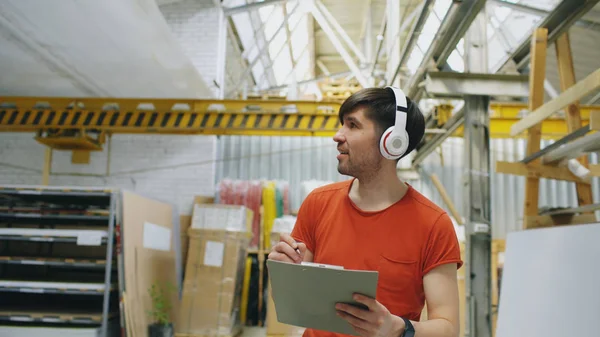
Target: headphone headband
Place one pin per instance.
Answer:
(401, 108)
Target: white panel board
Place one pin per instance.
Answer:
(104, 49)
(551, 283)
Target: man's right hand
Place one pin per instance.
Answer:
(288, 250)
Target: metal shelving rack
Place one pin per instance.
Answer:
(58, 270)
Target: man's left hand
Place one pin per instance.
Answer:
(375, 322)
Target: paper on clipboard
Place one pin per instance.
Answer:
(305, 295)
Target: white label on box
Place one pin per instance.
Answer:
(157, 237)
(89, 238)
(213, 256)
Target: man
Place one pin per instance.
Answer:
(377, 222)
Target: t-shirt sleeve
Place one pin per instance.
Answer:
(442, 245)
(304, 229)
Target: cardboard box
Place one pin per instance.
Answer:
(216, 259)
(223, 217)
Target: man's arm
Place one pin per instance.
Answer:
(441, 294)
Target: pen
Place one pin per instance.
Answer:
(297, 249)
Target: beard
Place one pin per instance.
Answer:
(361, 166)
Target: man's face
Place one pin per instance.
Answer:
(358, 145)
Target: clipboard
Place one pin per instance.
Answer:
(305, 294)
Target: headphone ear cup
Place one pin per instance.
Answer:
(393, 144)
(403, 137)
(383, 143)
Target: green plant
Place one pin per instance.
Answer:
(160, 304)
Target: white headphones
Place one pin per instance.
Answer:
(394, 141)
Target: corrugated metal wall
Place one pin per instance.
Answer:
(293, 159)
(297, 159)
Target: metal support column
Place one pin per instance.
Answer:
(478, 218)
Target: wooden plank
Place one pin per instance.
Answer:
(574, 93)
(537, 75)
(538, 171)
(594, 170)
(567, 80)
(47, 166)
(595, 120)
(541, 221)
(446, 198)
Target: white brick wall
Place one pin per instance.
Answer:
(194, 24)
(235, 66)
(169, 168)
(21, 159)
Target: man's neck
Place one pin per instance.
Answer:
(378, 192)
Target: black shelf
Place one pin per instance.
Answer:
(57, 258)
(55, 262)
(56, 196)
(45, 219)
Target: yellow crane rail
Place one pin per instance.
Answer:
(220, 117)
(214, 117)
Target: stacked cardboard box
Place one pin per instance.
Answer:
(218, 241)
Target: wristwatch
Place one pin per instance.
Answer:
(409, 329)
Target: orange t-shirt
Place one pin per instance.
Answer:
(403, 243)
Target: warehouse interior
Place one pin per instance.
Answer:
(152, 152)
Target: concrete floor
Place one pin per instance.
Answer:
(254, 331)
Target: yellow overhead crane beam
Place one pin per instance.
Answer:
(504, 114)
(60, 117)
(170, 116)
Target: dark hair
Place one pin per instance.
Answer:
(379, 105)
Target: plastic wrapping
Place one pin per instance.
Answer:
(273, 196)
(247, 193)
(281, 225)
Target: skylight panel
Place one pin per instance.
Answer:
(278, 41)
(456, 62)
(272, 23)
(428, 32)
(303, 68)
(414, 60)
(441, 7)
(282, 66)
(299, 37)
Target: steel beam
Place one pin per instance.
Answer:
(320, 18)
(452, 28)
(464, 16)
(424, 149)
(478, 217)
(382, 32)
(261, 52)
(338, 28)
(562, 17)
(571, 136)
(587, 24)
(455, 85)
(252, 6)
(574, 149)
(414, 34)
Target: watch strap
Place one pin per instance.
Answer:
(409, 329)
